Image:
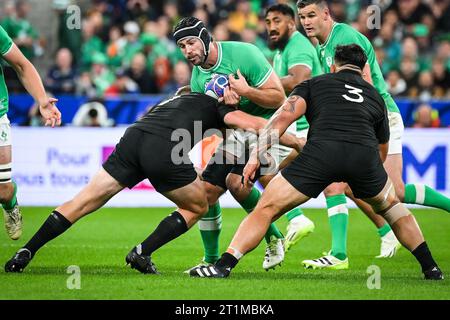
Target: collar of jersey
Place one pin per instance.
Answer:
(329, 36)
(219, 60)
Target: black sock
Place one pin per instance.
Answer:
(55, 224)
(168, 229)
(423, 255)
(227, 260)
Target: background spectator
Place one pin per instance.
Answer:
(61, 78)
(426, 117)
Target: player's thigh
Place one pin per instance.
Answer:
(394, 166)
(279, 197)
(100, 188)
(191, 200)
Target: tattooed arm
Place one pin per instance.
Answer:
(292, 109)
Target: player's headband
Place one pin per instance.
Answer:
(198, 31)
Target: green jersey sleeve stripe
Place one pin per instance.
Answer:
(264, 79)
(300, 64)
(8, 50)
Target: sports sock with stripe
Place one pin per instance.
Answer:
(338, 218)
(210, 226)
(421, 194)
(384, 230)
(294, 213)
(250, 203)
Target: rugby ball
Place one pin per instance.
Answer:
(216, 86)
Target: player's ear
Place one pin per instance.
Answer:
(333, 68)
(326, 13)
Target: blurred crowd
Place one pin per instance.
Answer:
(126, 47)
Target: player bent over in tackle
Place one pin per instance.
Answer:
(358, 150)
(149, 149)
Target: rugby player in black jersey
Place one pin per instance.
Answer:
(347, 142)
(156, 148)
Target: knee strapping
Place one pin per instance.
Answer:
(384, 199)
(396, 212)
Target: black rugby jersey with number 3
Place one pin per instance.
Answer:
(344, 107)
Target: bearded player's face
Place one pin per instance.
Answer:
(278, 28)
(192, 49)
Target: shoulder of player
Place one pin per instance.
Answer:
(238, 47)
(343, 30)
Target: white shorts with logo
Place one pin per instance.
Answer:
(5, 131)
(396, 128)
(236, 142)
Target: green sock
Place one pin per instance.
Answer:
(210, 226)
(250, 203)
(421, 194)
(294, 213)
(338, 217)
(384, 230)
(11, 203)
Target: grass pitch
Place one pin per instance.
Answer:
(98, 245)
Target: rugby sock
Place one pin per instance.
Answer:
(210, 226)
(55, 225)
(13, 201)
(168, 229)
(423, 255)
(250, 203)
(421, 194)
(384, 230)
(338, 217)
(294, 213)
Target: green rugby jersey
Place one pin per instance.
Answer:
(232, 56)
(5, 45)
(298, 51)
(343, 34)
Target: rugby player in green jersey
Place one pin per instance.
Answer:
(316, 20)
(256, 90)
(32, 82)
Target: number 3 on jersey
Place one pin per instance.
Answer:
(356, 94)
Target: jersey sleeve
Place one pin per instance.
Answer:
(5, 42)
(301, 57)
(222, 111)
(302, 90)
(254, 66)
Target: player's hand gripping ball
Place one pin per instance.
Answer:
(216, 86)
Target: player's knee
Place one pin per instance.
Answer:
(212, 193)
(234, 185)
(199, 208)
(400, 191)
(334, 189)
(266, 209)
(395, 212)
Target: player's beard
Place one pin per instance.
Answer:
(280, 43)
